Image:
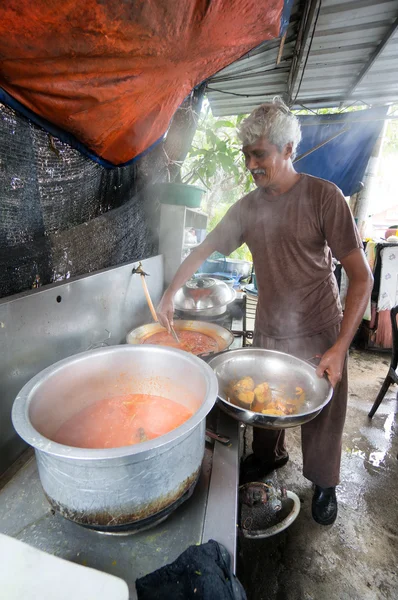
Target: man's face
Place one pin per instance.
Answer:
(265, 161)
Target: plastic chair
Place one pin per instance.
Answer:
(392, 376)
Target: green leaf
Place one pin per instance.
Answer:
(198, 152)
(226, 162)
(224, 124)
(211, 169)
(235, 171)
(211, 137)
(221, 146)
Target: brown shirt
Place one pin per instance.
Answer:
(292, 237)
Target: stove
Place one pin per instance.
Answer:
(148, 522)
(67, 318)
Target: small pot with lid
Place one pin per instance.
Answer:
(204, 297)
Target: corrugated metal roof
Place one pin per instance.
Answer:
(343, 38)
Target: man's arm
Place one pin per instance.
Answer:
(165, 309)
(359, 289)
(225, 238)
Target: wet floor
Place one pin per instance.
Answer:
(357, 557)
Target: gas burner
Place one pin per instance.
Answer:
(143, 524)
(223, 319)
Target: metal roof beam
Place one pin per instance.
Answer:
(372, 59)
(302, 36)
(354, 5)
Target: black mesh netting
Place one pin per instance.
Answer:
(63, 215)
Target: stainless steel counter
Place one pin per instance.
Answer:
(209, 514)
(43, 326)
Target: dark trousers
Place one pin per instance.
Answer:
(321, 438)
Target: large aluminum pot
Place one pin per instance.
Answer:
(276, 368)
(222, 336)
(116, 487)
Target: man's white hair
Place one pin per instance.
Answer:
(275, 122)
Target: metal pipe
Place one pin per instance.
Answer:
(361, 209)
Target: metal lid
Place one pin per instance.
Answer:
(200, 283)
(203, 293)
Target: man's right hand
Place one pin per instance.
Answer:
(165, 310)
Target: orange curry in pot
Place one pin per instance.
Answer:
(122, 421)
(190, 341)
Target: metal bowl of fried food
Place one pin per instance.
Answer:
(269, 389)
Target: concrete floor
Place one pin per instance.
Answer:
(357, 557)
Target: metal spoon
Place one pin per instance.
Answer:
(173, 333)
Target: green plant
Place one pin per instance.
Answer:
(216, 163)
(216, 153)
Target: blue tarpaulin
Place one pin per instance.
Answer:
(342, 159)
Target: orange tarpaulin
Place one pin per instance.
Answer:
(113, 72)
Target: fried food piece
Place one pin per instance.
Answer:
(263, 395)
(244, 399)
(244, 385)
(284, 406)
(275, 412)
(277, 408)
(241, 392)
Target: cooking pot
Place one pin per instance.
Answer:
(275, 368)
(203, 297)
(223, 337)
(115, 488)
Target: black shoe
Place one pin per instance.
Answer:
(254, 469)
(324, 505)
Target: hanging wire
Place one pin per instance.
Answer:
(309, 51)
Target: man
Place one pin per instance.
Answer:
(292, 224)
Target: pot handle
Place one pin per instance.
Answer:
(223, 439)
(206, 356)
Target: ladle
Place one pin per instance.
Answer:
(139, 270)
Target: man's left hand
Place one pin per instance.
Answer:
(332, 363)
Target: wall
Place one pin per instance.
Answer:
(63, 215)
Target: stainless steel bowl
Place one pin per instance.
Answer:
(204, 297)
(222, 336)
(230, 266)
(276, 368)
